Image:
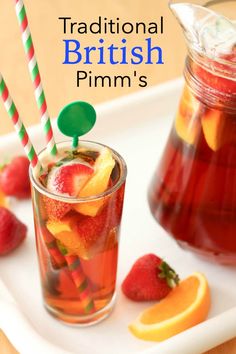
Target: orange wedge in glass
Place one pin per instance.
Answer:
(185, 306)
(217, 128)
(97, 184)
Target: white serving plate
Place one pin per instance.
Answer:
(137, 126)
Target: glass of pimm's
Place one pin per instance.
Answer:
(77, 203)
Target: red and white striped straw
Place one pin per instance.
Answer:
(81, 283)
(35, 75)
(18, 125)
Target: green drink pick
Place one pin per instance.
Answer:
(76, 119)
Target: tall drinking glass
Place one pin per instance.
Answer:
(77, 242)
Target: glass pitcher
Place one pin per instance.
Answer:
(193, 192)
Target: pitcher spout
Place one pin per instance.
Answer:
(206, 31)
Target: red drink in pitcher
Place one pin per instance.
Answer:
(193, 194)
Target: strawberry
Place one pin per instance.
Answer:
(69, 179)
(150, 278)
(55, 209)
(90, 229)
(14, 178)
(213, 80)
(12, 231)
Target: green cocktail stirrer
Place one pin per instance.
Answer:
(76, 119)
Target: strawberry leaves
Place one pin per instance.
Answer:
(166, 272)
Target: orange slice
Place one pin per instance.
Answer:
(217, 129)
(187, 124)
(3, 201)
(97, 184)
(185, 306)
(65, 232)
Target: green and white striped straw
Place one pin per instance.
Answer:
(18, 125)
(35, 75)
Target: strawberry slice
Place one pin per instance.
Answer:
(69, 179)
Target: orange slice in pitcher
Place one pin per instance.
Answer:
(217, 129)
(187, 124)
(185, 306)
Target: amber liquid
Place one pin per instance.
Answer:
(193, 194)
(59, 290)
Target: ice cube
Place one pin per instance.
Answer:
(218, 37)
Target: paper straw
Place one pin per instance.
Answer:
(75, 268)
(55, 254)
(35, 75)
(18, 125)
(81, 283)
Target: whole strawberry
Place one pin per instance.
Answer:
(12, 231)
(149, 279)
(14, 178)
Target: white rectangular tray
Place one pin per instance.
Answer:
(137, 126)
